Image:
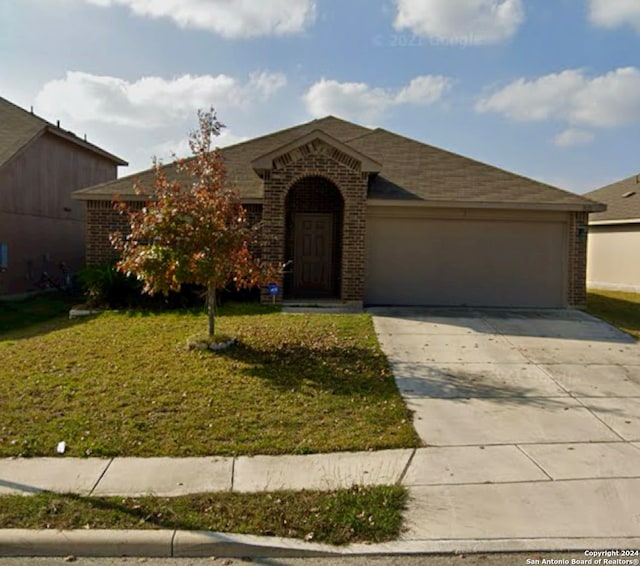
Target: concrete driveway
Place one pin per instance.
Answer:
(531, 421)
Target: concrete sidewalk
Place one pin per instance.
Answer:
(463, 498)
(167, 477)
(517, 494)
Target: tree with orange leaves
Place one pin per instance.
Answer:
(196, 234)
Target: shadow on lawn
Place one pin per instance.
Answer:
(620, 312)
(105, 512)
(231, 309)
(36, 315)
(340, 370)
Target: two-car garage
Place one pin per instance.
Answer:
(459, 257)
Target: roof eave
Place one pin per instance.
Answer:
(617, 222)
(110, 197)
(265, 162)
(558, 207)
(85, 144)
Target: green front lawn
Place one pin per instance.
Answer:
(620, 309)
(359, 514)
(124, 384)
(20, 314)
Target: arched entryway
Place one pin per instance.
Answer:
(314, 211)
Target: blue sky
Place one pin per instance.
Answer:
(546, 88)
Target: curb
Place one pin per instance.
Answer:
(188, 544)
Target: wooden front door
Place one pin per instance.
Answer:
(313, 274)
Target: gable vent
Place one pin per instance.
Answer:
(316, 147)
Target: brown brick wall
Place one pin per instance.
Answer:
(577, 292)
(352, 185)
(102, 220)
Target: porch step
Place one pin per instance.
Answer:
(321, 307)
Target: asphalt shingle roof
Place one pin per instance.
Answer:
(622, 200)
(411, 171)
(19, 127)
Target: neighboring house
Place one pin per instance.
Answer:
(40, 224)
(614, 238)
(372, 217)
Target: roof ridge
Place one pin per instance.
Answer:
(289, 129)
(30, 113)
(41, 125)
(620, 183)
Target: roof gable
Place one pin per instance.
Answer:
(18, 128)
(316, 142)
(622, 199)
(237, 158)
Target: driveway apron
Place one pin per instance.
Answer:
(530, 421)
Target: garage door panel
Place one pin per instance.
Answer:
(412, 261)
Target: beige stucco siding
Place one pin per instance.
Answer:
(613, 257)
(457, 257)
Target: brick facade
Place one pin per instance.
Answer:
(577, 289)
(316, 174)
(102, 220)
(351, 183)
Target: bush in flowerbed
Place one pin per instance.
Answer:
(106, 287)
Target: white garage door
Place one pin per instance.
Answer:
(457, 262)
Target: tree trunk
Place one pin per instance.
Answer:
(211, 308)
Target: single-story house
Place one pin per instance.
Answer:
(614, 238)
(40, 224)
(369, 216)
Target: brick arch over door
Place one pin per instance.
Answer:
(352, 185)
(313, 246)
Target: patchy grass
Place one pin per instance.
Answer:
(125, 384)
(359, 514)
(620, 309)
(22, 314)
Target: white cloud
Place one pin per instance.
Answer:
(538, 99)
(615, 13)
(150, 101)
(228, 18)
(573, 136)
(266, 83)
(423, 91)
(608, 100)
(362, 102)
(469, 22)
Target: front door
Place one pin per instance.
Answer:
(313, 255)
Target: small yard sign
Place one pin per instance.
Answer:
(274, 289)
